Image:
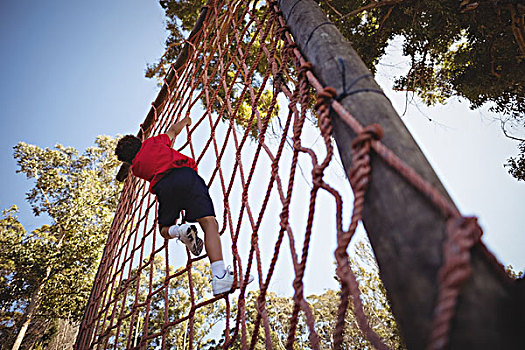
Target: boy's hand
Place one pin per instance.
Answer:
(176, 128)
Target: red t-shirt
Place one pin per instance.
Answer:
(156, 157)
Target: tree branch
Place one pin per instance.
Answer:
(371, 6)
(327, 3)
(518, 28)
(507, 135)
(385, 18)
(518, 23)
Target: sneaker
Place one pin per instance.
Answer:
(188, 236)
(225, 283)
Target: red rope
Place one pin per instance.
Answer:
(462, 234)
(239, 54)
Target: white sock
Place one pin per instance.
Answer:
(174, 231)
(217, 268)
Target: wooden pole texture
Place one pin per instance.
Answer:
(406, 231)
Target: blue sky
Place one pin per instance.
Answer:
(73, 70)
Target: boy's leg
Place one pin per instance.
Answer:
(220, 283)
(186, 233)
(222, 280)
(164, 231)
(212, 240)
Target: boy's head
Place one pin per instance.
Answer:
(127, 148)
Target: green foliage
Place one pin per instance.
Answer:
(516, 165)
(136, 289)
(55, 264)
(15, 260)
(513, 273)
(324, 308)
(234, 92)
(247, 116)
(181, 17)
(469, 49)
(132, 293)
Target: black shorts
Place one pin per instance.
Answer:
(182, 189)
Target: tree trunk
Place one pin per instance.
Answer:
(406, 231)
(28, 316)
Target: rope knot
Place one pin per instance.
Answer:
(317, 171)
(281, 31)
(317, 175)
(303, 68)
(275, 170)
(370, 132)
(284, 217)
(278, 81)
(143, 132)
(291, 46)
(322, 106)
(464, 233)
(324, 97)
(360, 172)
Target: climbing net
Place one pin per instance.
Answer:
(237, 69)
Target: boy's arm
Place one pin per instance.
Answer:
(177, 127)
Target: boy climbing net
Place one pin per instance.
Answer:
(174, 180)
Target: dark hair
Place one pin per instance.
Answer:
(127, 148)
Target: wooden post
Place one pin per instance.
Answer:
(406, 231)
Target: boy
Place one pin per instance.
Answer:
(174, 180)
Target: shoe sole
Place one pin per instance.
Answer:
(196, 248)
(232, 288)
(224, 290)
(193, 242)
(220, 293)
